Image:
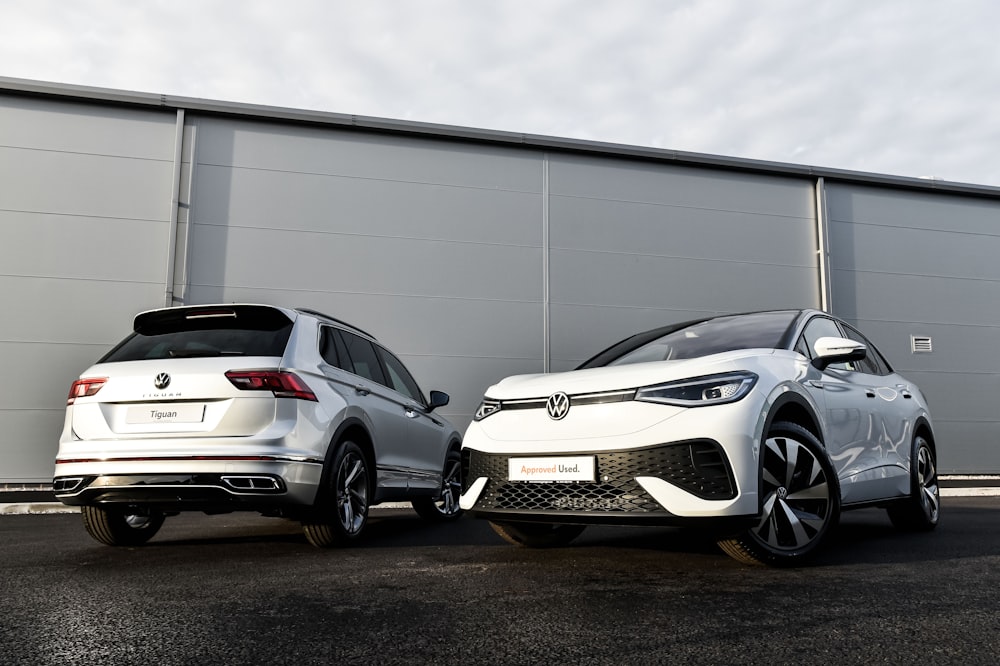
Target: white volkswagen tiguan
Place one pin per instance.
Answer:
(218, 408)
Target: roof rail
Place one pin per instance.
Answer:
(317, 313)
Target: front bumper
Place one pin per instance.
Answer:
(675, 483)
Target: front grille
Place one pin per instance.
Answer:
(699, 467)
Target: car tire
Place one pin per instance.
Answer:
(445, 507)
(118, 527)
(800, 500)
(342, 511)
(920, 511)
(537, 535)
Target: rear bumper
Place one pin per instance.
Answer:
(190, 485)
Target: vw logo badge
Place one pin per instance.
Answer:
(162, 381)
(557, 405)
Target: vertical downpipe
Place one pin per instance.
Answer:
(823, 246)
(174, 208)
(546, 333)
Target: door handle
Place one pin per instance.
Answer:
(361, 390)
(869, 393)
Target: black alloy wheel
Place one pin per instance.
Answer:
(800, 500)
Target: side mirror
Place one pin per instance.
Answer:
(438, 399)
(837, 350)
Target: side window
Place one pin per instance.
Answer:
(400, 378)
(333, 350)
(363, 356)
(872, 364)
(328, 347)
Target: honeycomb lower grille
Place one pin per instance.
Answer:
(699, 467)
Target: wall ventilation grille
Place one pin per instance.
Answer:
(921, 344)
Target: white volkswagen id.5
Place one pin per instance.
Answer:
(760, 427)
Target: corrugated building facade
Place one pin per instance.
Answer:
(472, 254)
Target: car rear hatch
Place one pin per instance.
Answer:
(191, 372)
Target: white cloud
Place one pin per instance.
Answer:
(899, 86)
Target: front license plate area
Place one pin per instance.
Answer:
(550, 469)
(179, 413)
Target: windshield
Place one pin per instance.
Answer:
(699, 338)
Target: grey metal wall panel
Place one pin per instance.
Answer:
(83, 231)
(303, 149)
(98, 186)
(434, 246)
(62, 126)
(937, 253)
(464, 258)
(972, 449)
(264, 258)
(82, 248)
(636, 245)
(964, 409)
(350, 205)
(631, 227)
(676, 186)
(71, 311)
(916, 263)
(915, 298)
(28, 460)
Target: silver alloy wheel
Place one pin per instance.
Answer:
(352, 493)
(930, 495)
(451, 489)
(796, 493)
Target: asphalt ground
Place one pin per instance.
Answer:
(242, 589)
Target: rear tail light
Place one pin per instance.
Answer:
(281, 384)
(84, 388)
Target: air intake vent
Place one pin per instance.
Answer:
(921, 344)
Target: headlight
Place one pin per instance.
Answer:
(486, 407)
(700, 391)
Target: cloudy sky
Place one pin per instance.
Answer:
(903, 87)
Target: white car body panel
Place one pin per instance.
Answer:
(851, 412)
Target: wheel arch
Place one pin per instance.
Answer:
(793, 408)
(922, 428)
(353, 429)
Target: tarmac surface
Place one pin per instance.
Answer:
(239, 589)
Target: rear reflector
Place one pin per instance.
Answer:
(281, 384)
(84, 388)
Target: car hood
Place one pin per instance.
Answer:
(620, 377)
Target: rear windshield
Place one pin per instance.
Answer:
(199, 333)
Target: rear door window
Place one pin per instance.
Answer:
(363, 357)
